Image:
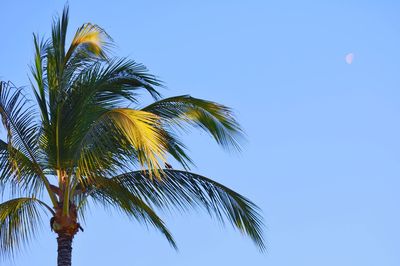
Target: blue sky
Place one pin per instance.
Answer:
(322, 156)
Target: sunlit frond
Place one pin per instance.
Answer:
(19, 222)
(214, 118)
(89, 40)
(120, 138)
(181, 189)
(142, 130)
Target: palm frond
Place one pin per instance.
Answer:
(216, 119)
(96, 90)
(121, 137)
(110, 193)
(58, 39)
(181, 189)
(103, 151)
(20, 219)
(142, 131)
(90, 41)
(115, 78)
(18, 172)
(177, 149)
(18, 119)
(22, 129)
(38, 73)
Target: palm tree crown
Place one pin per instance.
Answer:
(83, 141)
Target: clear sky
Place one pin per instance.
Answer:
(323, 153)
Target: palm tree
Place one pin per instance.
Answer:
(81, 142)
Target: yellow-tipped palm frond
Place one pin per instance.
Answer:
(216, 119)
(121, 133)
(142, 130)
(89, 39)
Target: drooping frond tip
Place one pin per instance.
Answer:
(181, 189)
(19, 223)
(111, 192)
(214, 118)
(90, 39)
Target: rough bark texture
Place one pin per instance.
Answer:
(65, 224)
(64, 250)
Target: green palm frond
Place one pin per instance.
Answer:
(38, 73)
(181, 189)
(111, 193)
(19, 120)
(216, 119)
(56, 57)
(177, 149)
(18, 171)
(102, 152)
(102, 82)
(20, 219)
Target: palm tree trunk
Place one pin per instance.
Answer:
(64, 250)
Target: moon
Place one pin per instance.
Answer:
(349, 58)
